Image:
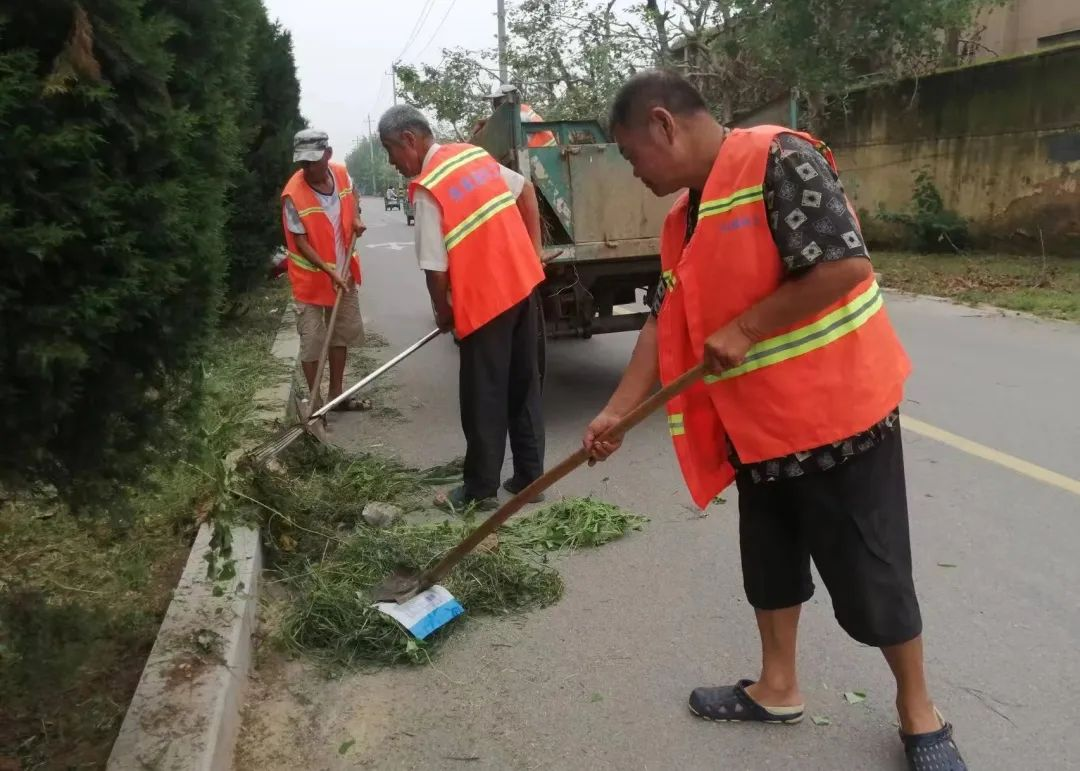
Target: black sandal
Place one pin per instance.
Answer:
(731, 703)
(934, 751)
(514, 486)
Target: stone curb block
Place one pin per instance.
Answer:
(186, 711)
(185, 714)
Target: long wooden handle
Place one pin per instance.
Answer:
(325, 353)
(436, 573)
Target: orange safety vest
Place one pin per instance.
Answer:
(493, 265)
(540, 138)
(820, 381)
(309, 284)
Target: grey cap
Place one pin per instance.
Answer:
(310, 145)
(502, 91)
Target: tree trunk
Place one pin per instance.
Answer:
(815, 117)
(660, 22)
(950, 53)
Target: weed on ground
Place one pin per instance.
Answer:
(327, 557)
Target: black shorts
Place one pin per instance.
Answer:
(853, 521)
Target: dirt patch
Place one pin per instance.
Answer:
(296, 715)
(63, 710)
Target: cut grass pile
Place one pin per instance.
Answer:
(316, 497)
(328, 558)
(332, 617)
(574, 523)
(1047, 287)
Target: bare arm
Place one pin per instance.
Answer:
(795, 300)
(438, 284)
(530, 212)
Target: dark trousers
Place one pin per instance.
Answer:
(500, 395)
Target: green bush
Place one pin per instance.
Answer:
(123, 136)
(271, 120)
(931, 226)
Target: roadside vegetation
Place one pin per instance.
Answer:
(81, 597)
(1043, 286)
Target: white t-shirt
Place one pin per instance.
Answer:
(331, 206)
(430, 247)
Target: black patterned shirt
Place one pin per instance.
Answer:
(811, 223)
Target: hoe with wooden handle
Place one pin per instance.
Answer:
(404, 584)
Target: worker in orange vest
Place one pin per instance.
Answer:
(501, 96)
(538, 138)
(321, 214)
(478, 242)
(766, 280)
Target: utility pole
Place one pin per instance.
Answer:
(393, 81)
(504, 77)
(371, 152)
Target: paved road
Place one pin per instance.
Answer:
(599, 681)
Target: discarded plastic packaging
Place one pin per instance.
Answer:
(430, 610)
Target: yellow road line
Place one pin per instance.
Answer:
(1011, 462)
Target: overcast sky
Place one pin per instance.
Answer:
(344, 49)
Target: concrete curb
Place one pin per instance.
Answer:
(185, 714)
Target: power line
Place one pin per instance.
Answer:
(420, 21)
(438, 29)
(382, 88)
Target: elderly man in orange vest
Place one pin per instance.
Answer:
(766, 279)
(321, 215)
(478, 242)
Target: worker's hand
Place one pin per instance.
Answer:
(359, 227)
(601, 449)
(445, 321)
(726, 348)
(339, 282)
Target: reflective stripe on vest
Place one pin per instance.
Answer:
(478, 218)
(491, 261)
(675, 424)
(842, 321)
(736, 199)
(447, 167)
(301, 261)
(668, 277)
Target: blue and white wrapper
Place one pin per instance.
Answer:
(424, 613)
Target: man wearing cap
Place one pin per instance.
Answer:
(478, 242)
(321, 215)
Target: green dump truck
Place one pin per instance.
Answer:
(601, 225)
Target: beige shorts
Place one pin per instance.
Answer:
(311, 321)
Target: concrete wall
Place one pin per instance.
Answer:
(1001, 141)
(1017, 26)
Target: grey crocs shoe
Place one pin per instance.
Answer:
(731, 703)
